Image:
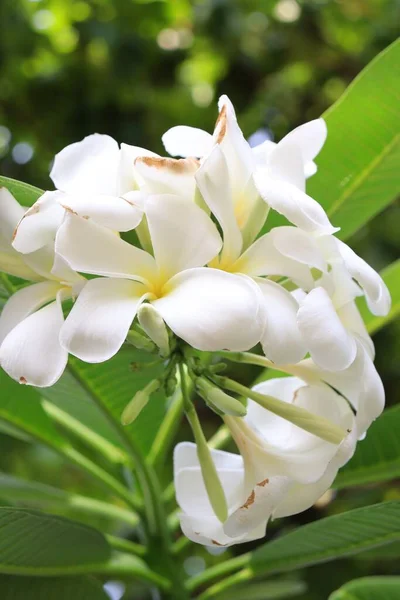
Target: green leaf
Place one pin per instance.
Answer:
(377, 457)
(358, 167)
(391, 276)
(20, 407)
(40, 588)
(31, 541)
(23, 192)
(330, 538)
(271, 590)
(369, 588)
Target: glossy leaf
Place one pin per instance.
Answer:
(34, 541)
(268, 590)
(40, 588)
(330, 538)
(358, 168)
(23, 192)
(369, 588)
(377, 457)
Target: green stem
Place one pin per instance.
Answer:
(167, 431)
(97, 507)
(126, 545)
(223, 568)
(223, 585)
(86, 435)
(249, 358)
(319, 426)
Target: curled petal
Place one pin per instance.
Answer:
(168, 175)
(376, 291)
(88, 166)
(128, 177)
(98, 323)
(299, 208)
(38, 226)
(282, 341)
(211, 309)
(298, 245)
(309, 139)
(187, 141)
(331, 346)
(10, 214)
(31, 352)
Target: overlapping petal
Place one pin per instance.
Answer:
(187, 141)
(212, 310)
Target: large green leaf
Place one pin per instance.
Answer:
(391, 276)
(330, 538)
(268, 590)
(358, 168)
(369, 588)
(30, 540)
(23, 192)
(377, 457)
(41, 588)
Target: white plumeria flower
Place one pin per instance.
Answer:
(208, 308)
(95, 179)
(360, 384)
(276, 172)
(31, 320)
(197, 519)
(282, 469)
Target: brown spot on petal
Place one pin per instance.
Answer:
(69, 209)
(177, 165)
(217, 543)
(23, 380)
(220, 125)
(250, 500)
(263, 483)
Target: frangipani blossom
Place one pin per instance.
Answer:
(95, 179)
(274, 172)
(208, 308)
(282, 469)
(31, 320)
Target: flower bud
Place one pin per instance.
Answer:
(140, 341)
(154, 326)
(219, 400)
(133, 409)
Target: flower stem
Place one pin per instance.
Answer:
(223, 585)
(223, 568)
(319, 426)
(126, 545)
(167, 431)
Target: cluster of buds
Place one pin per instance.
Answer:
(175, 255)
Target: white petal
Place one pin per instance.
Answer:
(262, 152)
(213, 181)
(329, 343)
(285, 163)
(182, 234)
(237, 152)
(41, 261)
(31, 352)
(13, 263)
(88, 166)
(10, 214)
(24, 302)
(113, 212)
(376, 292)
(211, 309)
(282, 341)
(259, 506)
(185, 455)
(65, 275)
(299, 246)
(209, 531)
(39, 225)
(90, 248)
(187, 141)
(292, 203)
(128, 178)
(98, 323)
(309, 138)
(352, 320)
(264, 258)
(168, 175)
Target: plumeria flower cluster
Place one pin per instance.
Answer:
(175, 255)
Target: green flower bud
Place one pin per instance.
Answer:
(140, 341)
(155, 327)
(133, 409)
(219, 400)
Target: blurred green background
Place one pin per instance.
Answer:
(133, 69)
